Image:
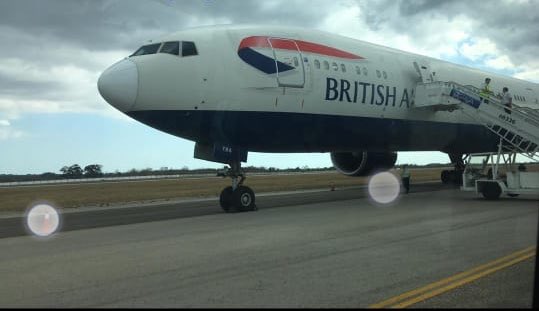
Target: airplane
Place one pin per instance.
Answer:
(239, 88)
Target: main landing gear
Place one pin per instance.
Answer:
(454, 176)
(236, 198)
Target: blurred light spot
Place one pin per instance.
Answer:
(384, 187)
(43, 220)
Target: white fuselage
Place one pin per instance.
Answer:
(331, 93)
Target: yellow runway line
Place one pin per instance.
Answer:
(444, 285)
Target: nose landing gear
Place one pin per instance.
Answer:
(236, 198)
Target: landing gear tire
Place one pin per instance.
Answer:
(452, 177)
(446, 176)
(225, 199)
(243, 198)
(236, 198)
(240, 200)
(491, 191)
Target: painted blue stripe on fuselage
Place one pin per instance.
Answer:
(262, 62)
(297, 132)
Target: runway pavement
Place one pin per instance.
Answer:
(318, 249)
(92, 217)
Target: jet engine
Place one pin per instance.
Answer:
(361, 163)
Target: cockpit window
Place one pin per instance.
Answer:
(147, 49)
(172, 47)
(189, 48)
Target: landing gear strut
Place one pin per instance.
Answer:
(236, 198)
(454, 176)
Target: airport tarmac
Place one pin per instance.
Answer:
(12, 223)
(316, 249)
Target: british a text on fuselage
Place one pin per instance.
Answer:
(365, 93)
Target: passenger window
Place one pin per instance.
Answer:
(365, 71)
(326, 65)
(335, 66)
(358, 70)
(189, 48)
(378, 73)
(296, 63)
(385, 74)
(316, 64)
(171, 48)
(343, 68)
(147, 49)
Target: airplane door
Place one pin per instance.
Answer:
(424, 71)
(289, 62)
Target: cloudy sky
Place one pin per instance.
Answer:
(52, 53)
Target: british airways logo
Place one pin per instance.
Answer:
(250, 49)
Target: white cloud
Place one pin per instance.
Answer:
(439, 37)
(529, 74)
(436, 36)
(500, 62)
(65, 86)
(478, 48)
(5, 123)
(8, 133)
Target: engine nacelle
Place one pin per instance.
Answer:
(362, 163)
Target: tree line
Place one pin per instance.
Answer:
(75, 171)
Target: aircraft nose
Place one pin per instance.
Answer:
(118, 85)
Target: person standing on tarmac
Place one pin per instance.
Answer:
(405, 176)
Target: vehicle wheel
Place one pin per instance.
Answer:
(244, 199)
(491, 191)
(225, 199)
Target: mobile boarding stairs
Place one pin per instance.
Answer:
(517, 127)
